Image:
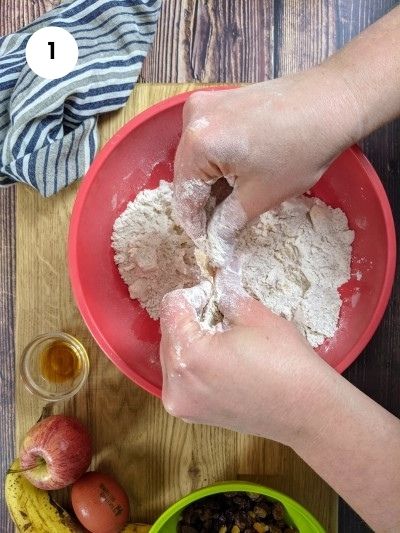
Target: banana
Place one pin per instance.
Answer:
(32, 509)
(136, 528)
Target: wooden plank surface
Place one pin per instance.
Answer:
(211, 41)
(156, 457)
(7, 373)
(14, 14)
(306, 33)
(377, 370)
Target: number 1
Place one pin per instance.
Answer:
(51, 44)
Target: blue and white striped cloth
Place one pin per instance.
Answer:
(48, 134)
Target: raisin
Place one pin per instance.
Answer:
(234, 512)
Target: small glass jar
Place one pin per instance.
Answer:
(54, 366)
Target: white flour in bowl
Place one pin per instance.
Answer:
(295, 258)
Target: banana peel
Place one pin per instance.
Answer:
(136, 528)
(32, 509)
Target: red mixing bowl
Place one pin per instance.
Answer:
(141, 154)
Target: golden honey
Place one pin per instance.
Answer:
(60, 362)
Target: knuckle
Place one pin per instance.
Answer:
(171, 407)
(200, 142)
(178, 363)
(167, 303)
(194, 137)
(174, 307)
(195, 100)
(175, 407)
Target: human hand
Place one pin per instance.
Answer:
(261, 377)
(258, 377)
(271, 141)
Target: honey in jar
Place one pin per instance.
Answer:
(60, 362)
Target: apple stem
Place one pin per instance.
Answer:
(46, 412)
(40, 462)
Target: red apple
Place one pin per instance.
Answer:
(55, 452)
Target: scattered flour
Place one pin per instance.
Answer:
(294, 258)
(153, 253)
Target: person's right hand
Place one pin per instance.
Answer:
(273, 140)
(259, 376)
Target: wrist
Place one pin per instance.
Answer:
(314, 112)
(319, 404)
(339, 115)
(307, 405)
(346, 104)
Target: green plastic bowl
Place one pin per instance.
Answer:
(295, 514)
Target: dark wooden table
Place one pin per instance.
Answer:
(231, 41)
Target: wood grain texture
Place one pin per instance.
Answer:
(7, 374)
(356, 15)
(156, 457)
(232, 41)
(306, 33)
(14, 14)
(377, 370)
(212, 41)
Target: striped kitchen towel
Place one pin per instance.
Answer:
(48, 133)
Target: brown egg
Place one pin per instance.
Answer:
(100, 503)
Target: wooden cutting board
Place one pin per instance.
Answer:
(155, 457)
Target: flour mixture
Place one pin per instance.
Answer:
(295, 258)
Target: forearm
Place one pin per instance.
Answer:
(354, 444)
(350, 95)
(370, 67)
